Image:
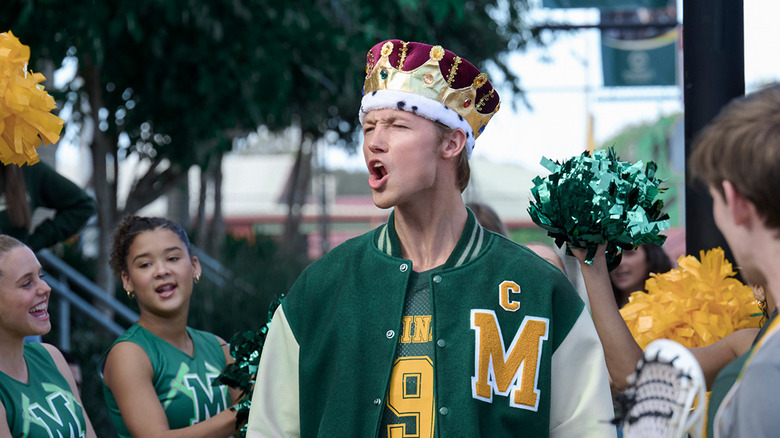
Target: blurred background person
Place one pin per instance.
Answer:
(489, 219)
(635, 268)
(24, 190)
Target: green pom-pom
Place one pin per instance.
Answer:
(589, 200)
(245, 349)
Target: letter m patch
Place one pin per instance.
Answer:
(513, 372)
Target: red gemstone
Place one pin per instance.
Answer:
(467, 103)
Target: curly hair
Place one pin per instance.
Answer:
(130, 228)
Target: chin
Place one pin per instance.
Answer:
(382, 203)
(41, 329)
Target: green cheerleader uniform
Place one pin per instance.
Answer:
(183, 383)
(44, 406)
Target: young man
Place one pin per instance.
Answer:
(429, 326)
(738, 157)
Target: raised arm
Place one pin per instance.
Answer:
(620, 349)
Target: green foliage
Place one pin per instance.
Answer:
(194, 71)
(260, 273)
(531, 234)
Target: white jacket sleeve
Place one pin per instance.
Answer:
(581, 402)
(275, 408)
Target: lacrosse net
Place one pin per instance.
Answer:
(667, 394)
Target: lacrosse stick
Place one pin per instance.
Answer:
(660, 401)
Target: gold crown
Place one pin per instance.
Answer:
(475, 101)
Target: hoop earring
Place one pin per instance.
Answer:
(130, 294)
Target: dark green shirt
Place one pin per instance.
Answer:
(48, 189)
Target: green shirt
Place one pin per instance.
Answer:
(44, 406)
(48, 189)
(183, 383)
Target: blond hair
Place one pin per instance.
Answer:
(8, 243)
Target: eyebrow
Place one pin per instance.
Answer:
(389, 120)
(24, 278)
(166, 251)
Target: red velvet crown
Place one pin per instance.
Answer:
(431, 72)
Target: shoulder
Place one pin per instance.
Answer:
(56, 355)
(132, 345)
(126, 357)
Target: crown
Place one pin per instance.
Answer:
(429, 81)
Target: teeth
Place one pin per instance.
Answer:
(377, 164)
(39, 308)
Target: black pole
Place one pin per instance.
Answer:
(714, 74)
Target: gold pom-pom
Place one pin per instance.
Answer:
(25, 107)
(695, 304)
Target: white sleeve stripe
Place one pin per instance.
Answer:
(581, 403)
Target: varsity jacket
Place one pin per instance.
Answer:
(516, 352)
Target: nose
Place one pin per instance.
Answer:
(375, 141)
(44, 287)
(161, 269)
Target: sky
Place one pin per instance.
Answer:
(563, 82)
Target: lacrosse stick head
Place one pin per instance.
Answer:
(660, 401)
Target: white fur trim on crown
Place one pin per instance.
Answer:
(420, 105)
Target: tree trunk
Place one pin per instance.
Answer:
(292, 239)
(201, 223)
(179, 204)
(105, 188)
(217, 226)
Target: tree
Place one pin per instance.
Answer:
(174, 82)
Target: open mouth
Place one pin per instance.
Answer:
(377, 174)
(165, 290)
(40, 311)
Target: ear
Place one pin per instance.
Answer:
(196, 271)
(742, 211)
(454, 143)
(126, 283)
